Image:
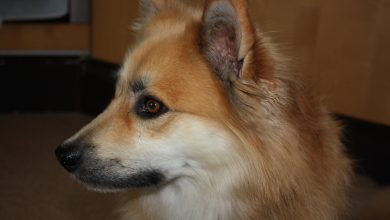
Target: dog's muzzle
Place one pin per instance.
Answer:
(69, 155)
(107, 174)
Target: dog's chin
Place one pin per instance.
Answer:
(98, 180)
(103, 189)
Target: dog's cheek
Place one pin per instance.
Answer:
(190, 144)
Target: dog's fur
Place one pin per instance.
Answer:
(240, 139)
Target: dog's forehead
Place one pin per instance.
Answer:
(173, 70)
(161, 60)
(166, 44)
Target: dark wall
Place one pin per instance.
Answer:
(55, 84)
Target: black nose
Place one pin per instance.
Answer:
(69, 156)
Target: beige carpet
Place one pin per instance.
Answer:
(32, 183)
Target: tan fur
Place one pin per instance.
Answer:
(287, 150)
(295, 135)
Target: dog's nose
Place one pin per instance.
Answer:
(69, 156)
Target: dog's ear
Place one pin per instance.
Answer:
(148, 10)
(151, 7)
(227, 37)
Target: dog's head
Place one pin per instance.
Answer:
(174, 107)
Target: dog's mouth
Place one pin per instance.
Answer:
(105, 176)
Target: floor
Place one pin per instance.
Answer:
(32, 183)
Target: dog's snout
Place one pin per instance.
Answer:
(69, 156)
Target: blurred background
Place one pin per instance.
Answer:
(58, 67)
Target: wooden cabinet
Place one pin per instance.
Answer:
(351, 58)
(342, 47)
(111, 28)
(44, 37)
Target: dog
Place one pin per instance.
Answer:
(208, 123)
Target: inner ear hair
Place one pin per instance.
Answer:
(220, 39)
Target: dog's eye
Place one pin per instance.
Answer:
(149, 107)
(152, 106)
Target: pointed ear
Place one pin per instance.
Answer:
(227, 36)
(148, 9)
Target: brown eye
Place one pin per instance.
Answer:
(149, 107)
(152, 106)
